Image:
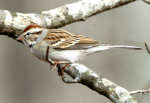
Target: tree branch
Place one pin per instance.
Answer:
(99, 84)
(14, 22)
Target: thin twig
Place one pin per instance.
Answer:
(143, 91)
(146, 46)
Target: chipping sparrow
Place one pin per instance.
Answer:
(58, 46)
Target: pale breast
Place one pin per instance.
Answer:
(39, 51)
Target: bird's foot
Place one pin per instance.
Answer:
(61, 70)
(65, 78)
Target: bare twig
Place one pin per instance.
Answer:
(146, 46)
(140, 91)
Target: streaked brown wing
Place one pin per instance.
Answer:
(61, 39)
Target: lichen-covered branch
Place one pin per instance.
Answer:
(14, 22)
(99, 84)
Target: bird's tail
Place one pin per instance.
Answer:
(100, 48)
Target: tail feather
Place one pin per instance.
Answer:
(100, 48)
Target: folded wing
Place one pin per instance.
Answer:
(61, 39)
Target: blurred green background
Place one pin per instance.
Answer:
(25, 79)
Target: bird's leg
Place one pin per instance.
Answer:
(61, 70)
(55, 63)
(65, 78)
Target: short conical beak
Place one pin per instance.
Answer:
(20, 38)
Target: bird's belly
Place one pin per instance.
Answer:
(57, 55)
(66, 55)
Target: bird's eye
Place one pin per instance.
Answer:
(28, 33)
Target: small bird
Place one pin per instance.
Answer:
(58, 46)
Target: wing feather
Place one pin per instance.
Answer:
(61, 39)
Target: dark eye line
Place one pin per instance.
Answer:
(29, 33)
(34, 33)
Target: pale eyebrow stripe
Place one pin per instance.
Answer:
(38, 32)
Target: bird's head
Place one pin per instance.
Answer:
(30, 35)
